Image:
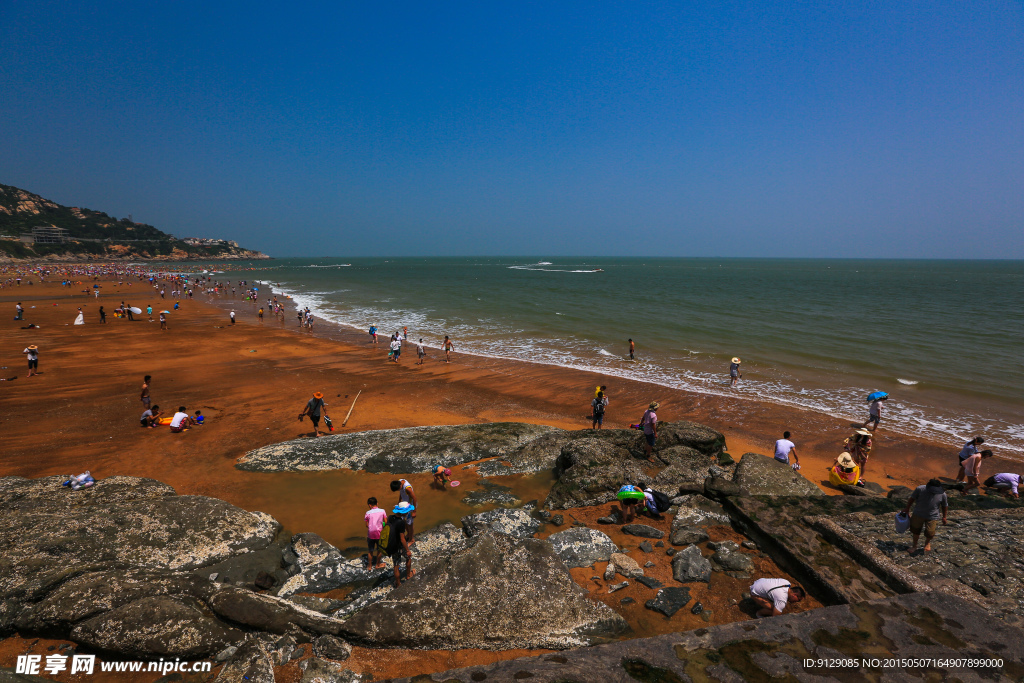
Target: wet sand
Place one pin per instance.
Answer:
(251, 380)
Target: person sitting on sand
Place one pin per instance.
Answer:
(972, 470)
(441, 475)
(181, 421)
(773, 595)
(859, 446)
(151, 417)
(970, 448)
(844, 471)
(375, 518)
(1007, 483)
(930, 505)
(198, 418)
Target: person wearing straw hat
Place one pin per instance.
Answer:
(859, 446)
(734, 371)
(33, 359)
(844, 471)
(649, 424)
(313, 409)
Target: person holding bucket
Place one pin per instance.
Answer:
(930, 505)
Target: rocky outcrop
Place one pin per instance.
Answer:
(49, 534)
(689, 566)
(760, 475)
(512, 522)
(497, 593)
(591, 471)
(930, 626)
(413, 449)
(582, 547)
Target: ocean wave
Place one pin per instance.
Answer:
(494, 339)
(554, 270)
(910, 382)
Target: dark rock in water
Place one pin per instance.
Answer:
(268, 613)
(643, 531)
(649, 582)
(591, 470)
(724, 459)
(515, 523)
(486, 596)
(490, 496)
(722, 488)
(688, 536)
(413, 449)
(582, 547)
(557, 520)
(317, 670)
(760, 475)
(161, 625)
(251, 663)
(669, 600)
(627, 601)
(697, 608)
(646, 547)
(544, 515)
(332, 647)
(689, 566)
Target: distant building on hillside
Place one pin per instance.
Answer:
(46, 234)
(205, 242)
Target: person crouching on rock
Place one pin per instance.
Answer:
(772, 596)
(629, 497)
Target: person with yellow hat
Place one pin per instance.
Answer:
(313, 409)
(844, 471)
(734, 371)
(33, 359)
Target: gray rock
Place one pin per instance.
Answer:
(512, 522)
(685, 465)
(251, 663)
(321, 605)
(730, 560)
(689, 566)
(557, 520)
(749, 545)
(160, 625)
(609, 572)
(643, 531)
(413, 449)
(863, 491)
(627, 601)
(670, 552)
(645, 546)
(590, 471)
(491, 494)
(722, 488)
(900, 494)
(649, 564)
(728, 545)
(317, 670)
(724, 459)
(659, 544)
(698, 511)
(269, 613)
(668, 601)
(688, 536)
(760, 475)
(615, 517)
(332, 647)
(225, 654)
(582, 547)
(618, 586)
(485, 596)
(697, 608)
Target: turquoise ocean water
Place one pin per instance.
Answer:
(942, 337)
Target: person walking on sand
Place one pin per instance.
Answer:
(874, 413)
(448, 348)
(408, 496)
(930, 505)
(313, 409)
(373, 334)
(734, 371)
(375, 519)
(970, 448)
(396, 348)
(232, 314)
(163, 322)
(144, 396)
(127, 311)
(972, 469)
(598, 405)
(103, 316)
(149, 312)
(784, 448)
(772, 595)
(32, 353)
(649, 424)
(260, 314)
(632, 349)
(19, 310)
(420, 352)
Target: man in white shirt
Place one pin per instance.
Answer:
(785, 448)
(181, 421)
(772, 596)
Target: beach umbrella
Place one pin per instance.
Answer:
(165, 311)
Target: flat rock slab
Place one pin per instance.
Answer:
(582, 547)
(513, 522)
(760, 475)
(643, 531)
(497, 593)
(915, 626)
(413, 449)
(668, 601)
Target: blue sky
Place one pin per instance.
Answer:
(704, 129)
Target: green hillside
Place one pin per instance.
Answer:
(92, 233)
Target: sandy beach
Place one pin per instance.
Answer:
(252, 379)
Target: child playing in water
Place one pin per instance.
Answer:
(441, 474)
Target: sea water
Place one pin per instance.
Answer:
(942, 337)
